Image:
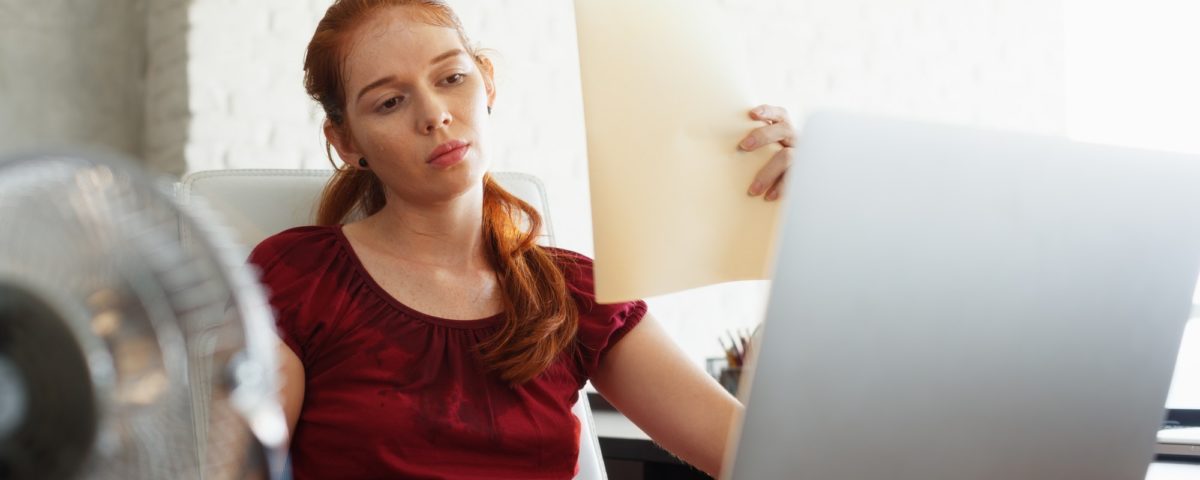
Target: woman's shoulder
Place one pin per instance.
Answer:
(576, 267)
(295, 244)
(577, 270)
(568, 258)
(600, 325)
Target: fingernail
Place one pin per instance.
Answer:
(748, 143)
(755, 189)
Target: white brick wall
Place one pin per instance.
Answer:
(994, 63)
(245, 85)
(984, 62)
(221, 87)
(200, 84)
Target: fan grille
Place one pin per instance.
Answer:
(153, 326)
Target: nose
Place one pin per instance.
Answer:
(435, 116)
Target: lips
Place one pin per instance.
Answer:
(448, 153)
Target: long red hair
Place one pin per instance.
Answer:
(541, 319)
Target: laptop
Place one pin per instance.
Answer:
(953, 303)
(1179, 443)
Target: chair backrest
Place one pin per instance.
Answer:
(256, 204)
(259, 203)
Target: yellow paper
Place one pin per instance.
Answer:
(666, 101)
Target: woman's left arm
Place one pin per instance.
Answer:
(653, 383)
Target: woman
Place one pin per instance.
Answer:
(433, 338)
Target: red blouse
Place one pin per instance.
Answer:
(391, 392)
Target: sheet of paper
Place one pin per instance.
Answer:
(666, 101)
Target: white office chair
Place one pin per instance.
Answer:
(256, 204)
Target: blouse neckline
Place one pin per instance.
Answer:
(358, 266)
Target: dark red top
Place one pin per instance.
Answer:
(391, 392)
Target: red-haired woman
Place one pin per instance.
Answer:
(433, 338)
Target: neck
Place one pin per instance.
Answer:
(445, 235)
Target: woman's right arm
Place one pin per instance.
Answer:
(291, 386)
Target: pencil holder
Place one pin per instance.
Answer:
(729, 378)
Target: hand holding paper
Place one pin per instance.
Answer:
(666, 103)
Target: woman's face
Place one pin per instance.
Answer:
(416, 107)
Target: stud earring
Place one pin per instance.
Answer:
(362, 162)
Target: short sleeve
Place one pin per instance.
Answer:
(601, 326)
(287, 264)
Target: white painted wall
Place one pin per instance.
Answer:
(71, 74)
(983, 62)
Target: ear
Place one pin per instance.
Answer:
(339, 138)
(489, 81)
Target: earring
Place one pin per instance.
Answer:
(362, 162)
(489, 109)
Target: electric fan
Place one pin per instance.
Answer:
(134, 343)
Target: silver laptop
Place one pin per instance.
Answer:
(954, 304)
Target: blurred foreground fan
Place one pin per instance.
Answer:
(126, 353)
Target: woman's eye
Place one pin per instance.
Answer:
(455, 79)
(391, 103)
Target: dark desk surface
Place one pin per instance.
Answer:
(621, 439)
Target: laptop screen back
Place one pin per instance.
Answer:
(951, 303)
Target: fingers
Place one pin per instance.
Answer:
(781, 132)
(776, 190)
(779, 129)
(769, 178)
(770, 114)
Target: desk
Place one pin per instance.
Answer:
(630, 455)
(631, 442)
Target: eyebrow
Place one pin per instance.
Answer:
(385, 80)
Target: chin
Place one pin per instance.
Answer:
(475, 167)
(463, 178)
